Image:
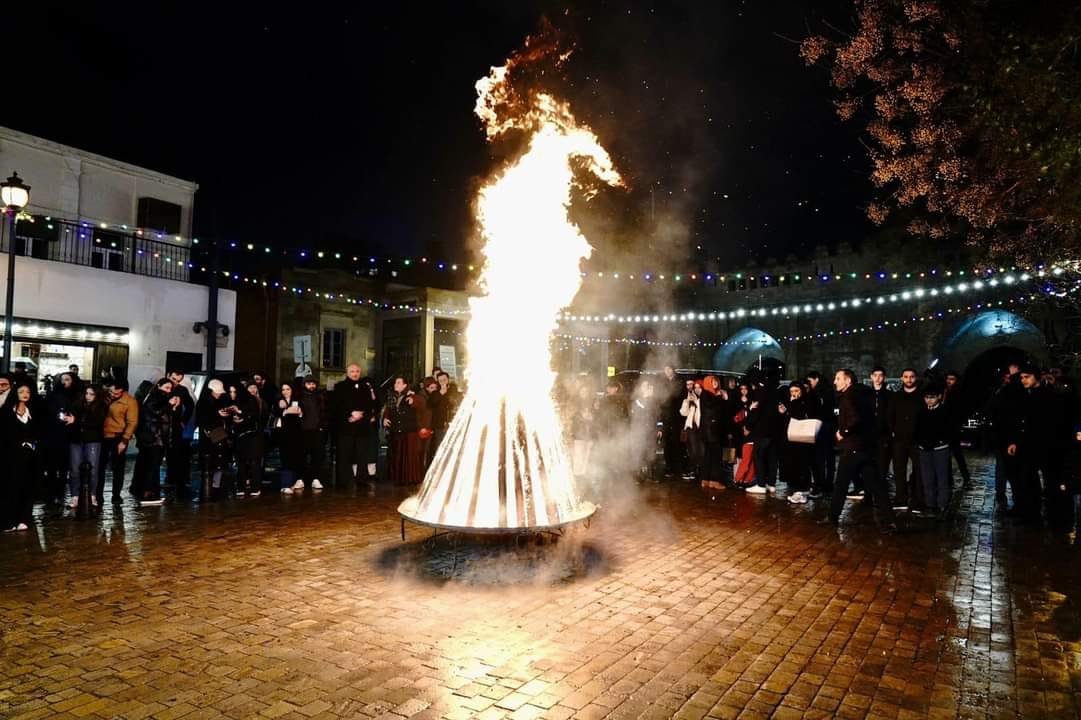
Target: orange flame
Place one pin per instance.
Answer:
(503, 463)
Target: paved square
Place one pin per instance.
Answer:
(676, 602)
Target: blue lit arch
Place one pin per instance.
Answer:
(744, 348)
(989, 330)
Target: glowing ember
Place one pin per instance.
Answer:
(503, 464)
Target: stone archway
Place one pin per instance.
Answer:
(986, 331)
(744, 348)
(982, 346)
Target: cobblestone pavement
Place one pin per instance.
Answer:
(677, 602)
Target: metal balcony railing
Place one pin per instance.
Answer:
(139, 252)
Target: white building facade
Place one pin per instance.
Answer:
(104, 255)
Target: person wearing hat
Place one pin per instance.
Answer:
(933, 432)
(212, 414)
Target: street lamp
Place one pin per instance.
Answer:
(15, 195)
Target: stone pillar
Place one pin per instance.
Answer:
(427, 341)
(69, 190)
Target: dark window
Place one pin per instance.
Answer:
(334, 348)
(185, 362)
(159, 215)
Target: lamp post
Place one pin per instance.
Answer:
(15, 195)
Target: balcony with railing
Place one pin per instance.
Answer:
(115, 248)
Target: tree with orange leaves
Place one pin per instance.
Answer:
(972, 114)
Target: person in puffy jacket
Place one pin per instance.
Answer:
(153, 436)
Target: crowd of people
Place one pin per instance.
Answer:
(68, 444)
(831, 439)
(838, 438)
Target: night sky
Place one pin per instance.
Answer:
(353, 128)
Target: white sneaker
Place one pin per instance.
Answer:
(73, 503)
(94, 500)
(756, 490)
(287, 491)
(298, 485)
(21, 526)
(316, 485)
(771, 488)
(797, 498)
(255, 493)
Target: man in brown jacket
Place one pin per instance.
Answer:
(121, 419)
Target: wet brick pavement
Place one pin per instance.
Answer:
(677, 602)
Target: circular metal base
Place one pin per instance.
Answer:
(408, 511)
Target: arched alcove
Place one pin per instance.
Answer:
(744, 348)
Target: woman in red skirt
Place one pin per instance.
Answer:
(401, 420)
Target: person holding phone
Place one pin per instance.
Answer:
(247, 430)
(288, 434)
(211, 415)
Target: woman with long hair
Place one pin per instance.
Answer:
(86, 422)
(153, 435)
(20, 432)
(403, 428)
(247, 429)
(288, 435)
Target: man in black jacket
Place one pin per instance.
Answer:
(353, 418)
(178, 456)
(882, 398)
(953, 403)
(905, 407)
(821, 403)
(313, 425)
(855, 438)
(1035, 437)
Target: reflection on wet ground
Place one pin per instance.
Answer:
(676, 602)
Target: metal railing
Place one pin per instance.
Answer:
(116, 249)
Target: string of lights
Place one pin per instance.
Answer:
(916, 294)
(881, 325)
(763, 280)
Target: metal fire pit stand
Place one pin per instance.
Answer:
(455, 533)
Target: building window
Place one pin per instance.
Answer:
(334, 348)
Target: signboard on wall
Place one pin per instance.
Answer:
(302, 348)
(448, 360)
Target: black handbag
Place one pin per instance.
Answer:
(218, 435)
